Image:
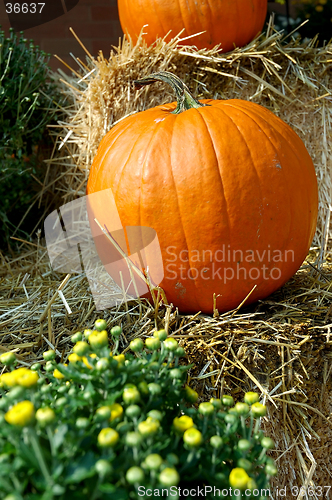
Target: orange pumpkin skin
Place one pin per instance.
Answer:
(225, 22)
(228, 177)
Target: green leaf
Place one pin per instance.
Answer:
(59, 435)
(81, 469)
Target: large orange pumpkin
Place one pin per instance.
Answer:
(225, 22)
(229, 188)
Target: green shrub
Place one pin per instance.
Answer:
(27, 105)
(107, 425)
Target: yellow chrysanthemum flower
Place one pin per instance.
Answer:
(86, 361)
(7, 358)
(120, 358)
(27, 379)
(21, 376)
(73, 358)
(8, 379)
(183, 423)
(98, 339)
(108, 437)
(57, 374)
(238, 478)
(116, 411)
(21, 414)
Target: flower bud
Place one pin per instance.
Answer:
(216, 442)
(87, 333)
(206, 409)
(136, 345)
(100, 324)
(116, 411)
(154, 389)
(108, 437)
(116, 331)
(242, 408)
(258, 410)
(61, 402)
(176, 373)
(190, 395)
(135, 475)
(76, 337)
(227, 401)
(169, 477)
(251, 484)
(133, 411)
(245, 464)
(152, 343)
(103, 413)
(102, 364)
(103, 467)
(120, 358)
(15, 393)
(155, 414)
(82, 423)
(216, 403)
(49, 355)
(131, 395)
(35, 367)
(148, 427)
(244, 445)
(7, 358)
(143, 388)
(267, 443)
(153, 461)
(271, 469)
(81, 348)
(133, 439)
(45, 416)
(49, 366)
(179, 352)
(170, 344)
(160, 334)
(251, 398)
(193, 437)
(231, 419)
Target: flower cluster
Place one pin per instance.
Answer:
(102, 424)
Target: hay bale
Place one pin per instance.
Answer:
(280, 348)
(291, 79)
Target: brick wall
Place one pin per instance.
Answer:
(95, 22)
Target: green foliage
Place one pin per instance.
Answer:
(103, 424)
(27, 105)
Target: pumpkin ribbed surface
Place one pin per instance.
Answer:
(229, 188)
(229, 22)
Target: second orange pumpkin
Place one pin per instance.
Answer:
(226, 22)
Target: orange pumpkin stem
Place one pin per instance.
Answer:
(185, 100)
